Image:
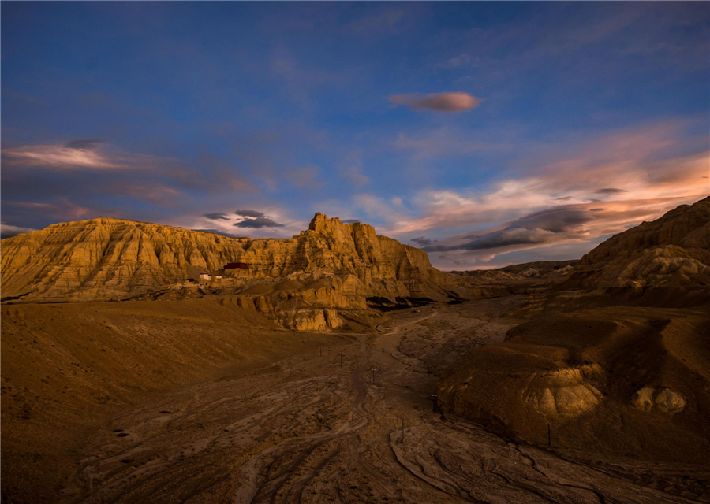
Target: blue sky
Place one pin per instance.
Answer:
(488, 133)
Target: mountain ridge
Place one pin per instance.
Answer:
(330, 265)
(672, 251)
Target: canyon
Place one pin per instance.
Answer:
(340, 366)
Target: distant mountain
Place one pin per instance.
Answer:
(670, 252)
(331, 265)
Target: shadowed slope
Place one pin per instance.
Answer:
(671, 252)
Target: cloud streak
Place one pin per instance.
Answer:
(452, 101)
(79, 154)
(8, 230)
(552, 224)
(62, 157)
(216, 216)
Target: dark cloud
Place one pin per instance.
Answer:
(499, 239)
(508, 237)
(84, 143)
(422, 241)
(216, 216)
(351, 221)
(609, 190)
(249, 213)
(555, 220)
(544, 226)
(258, 222)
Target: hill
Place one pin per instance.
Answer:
(667, 257)
(304, 282)
(619, 375)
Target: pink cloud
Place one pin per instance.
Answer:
(77, 155)
(452, 101)
(59, 157)
(614, 181)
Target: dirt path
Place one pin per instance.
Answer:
(308, 429)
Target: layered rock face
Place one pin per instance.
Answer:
(519, 389)
(331, 265)
(670, 252)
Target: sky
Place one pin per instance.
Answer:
(485, 133)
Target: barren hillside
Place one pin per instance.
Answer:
(305, 282)
(587, 369)
(670, 252)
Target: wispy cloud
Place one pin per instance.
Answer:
(79, 154)
(639, 175)
(451, 101)
(8, 230)
(59, 208)
(63, 157)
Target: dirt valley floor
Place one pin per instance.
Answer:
(198, 401)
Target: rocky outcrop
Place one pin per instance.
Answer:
(515, 391)
(664, 400)
(672, 252)
(329, 266)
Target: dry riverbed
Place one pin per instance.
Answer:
(347, 422)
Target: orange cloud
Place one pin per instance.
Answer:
(602, 186)
(452, 101)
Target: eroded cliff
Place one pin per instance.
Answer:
(303, 282)
(672, 252)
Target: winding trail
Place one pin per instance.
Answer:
(307, 429)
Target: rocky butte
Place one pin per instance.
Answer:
(328, 273)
